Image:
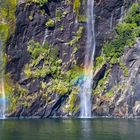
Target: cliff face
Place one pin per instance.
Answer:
(60, 29)
(121, 96)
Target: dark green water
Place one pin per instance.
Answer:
(56, 129)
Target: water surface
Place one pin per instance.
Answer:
(77, 129)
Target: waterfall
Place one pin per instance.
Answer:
(45, 36)
(2, 91)
(111, 22)
(122, 12)
(86, 87)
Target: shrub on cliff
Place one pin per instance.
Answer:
(127, 32)
(41, 2)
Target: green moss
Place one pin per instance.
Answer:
(4, 30)
(59, 83)
(109, 94)
(43, 85)
(7, 18)
(77, 37)
(41, 2)
(58, 86)
(65, 12)
(102, 85)
(82, 18)
(13, 104)
(100, 61)
(61, 27)
(30, 18)
(63, 82)
(15, 94)
(124, 68)
(72, 100)
(8, 85)
(41, 73)
(76, 6)
(74, 73)
(46, 54)
(50, 23)
(27, 71)
(36, 49)
(58, 14)
(133, 15)
(21, 90)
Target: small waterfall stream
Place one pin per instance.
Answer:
(111, 22)
(2, 90)
(122, 12)
(45, 36)
(86, 87)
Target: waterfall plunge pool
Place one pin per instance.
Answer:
(70, 129)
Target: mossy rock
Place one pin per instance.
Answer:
(50, 24)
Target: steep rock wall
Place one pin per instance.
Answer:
(31, 25)
(124, 101)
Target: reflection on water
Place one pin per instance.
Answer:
(56, 129)
(86, 129)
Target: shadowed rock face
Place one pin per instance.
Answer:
(27, 29)
(108, 12)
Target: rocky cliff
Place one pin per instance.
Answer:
(45, 58)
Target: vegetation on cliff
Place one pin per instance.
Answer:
(7, 17)
(127, 33)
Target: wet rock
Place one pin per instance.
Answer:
(34, 87)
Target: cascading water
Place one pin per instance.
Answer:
(111, 22)
(122, 12)
(2, 91)
(86, 87)
(45, 36)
